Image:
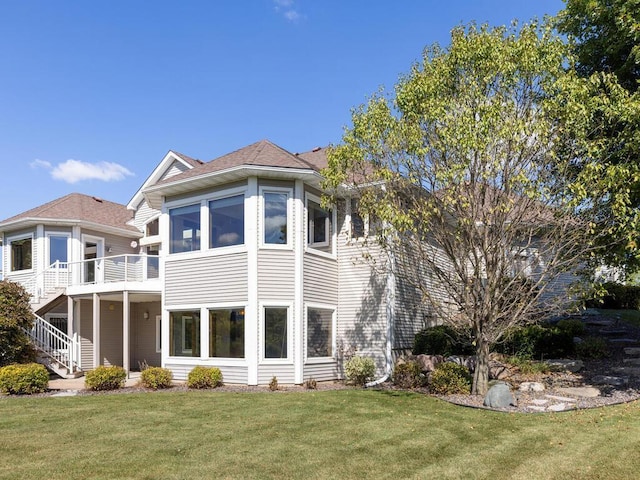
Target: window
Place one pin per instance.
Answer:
(226, 333)
(357, 222)
(153, 261)
(226, 217)
(184, 334)
(319, 332)
(185, 228)
(58, 250)
(158, 333)
(275, 218)
(21, 254)
(152, 228)
(57, 320)
(318, 225)
(275, 332)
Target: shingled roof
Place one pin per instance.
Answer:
(77, 207)
(262, 153)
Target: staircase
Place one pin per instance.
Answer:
(55, 349)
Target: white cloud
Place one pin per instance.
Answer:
(73, 171)
(37, 163)
(286, 7)
(283, 3)
(292, 15)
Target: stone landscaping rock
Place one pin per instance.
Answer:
(623, 340)
(631, 361)
(632, 351)
(558, 407)
(627, 370)
(498, 371)
(539, 401)
(562, 364)
(428, 363)
(610, 380)
(558, 398)
(536, 408)
(588, 392)
(531, 387)
(499, 396)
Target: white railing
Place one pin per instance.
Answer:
(55, 344)
(117, 268)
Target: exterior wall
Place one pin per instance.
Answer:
(85, 309)
(232, 375)
(174, 169)
(143, 334)
(111, 332)
(275, 275)
(206, 279)
(21, 277)
(142, 215)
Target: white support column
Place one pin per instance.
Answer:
(298, 303)
(252, 315)
(76, 256)
(41, 260)
(126, 322)
(71, 331)
(96, 331)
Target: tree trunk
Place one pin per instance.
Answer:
(481, 374)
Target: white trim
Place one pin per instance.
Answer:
(310, 225)
(99, 262)
(276, 361)
(320, 306)
(47, 253)
(158, 333)
(298, 310)
(8, 269)
(261, 219)
(232, 192)
(252, 312)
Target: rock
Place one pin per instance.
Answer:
(539, 401)
(632, 351)
(557, 407)
(623, 340)
(558, 398)
(498, 371)
(588, 392)
(562, 364)
(531, 387)
(499, 396)
(631, 361)
(610, 380)
(537, 408)
(428, 363)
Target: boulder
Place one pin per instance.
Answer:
(531, 387)
(499, 396)
(428, 363)
(498, 370)
(561, 365)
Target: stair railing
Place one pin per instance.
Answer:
(54, 343)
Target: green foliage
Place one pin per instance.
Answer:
(15, 315)
(572, 326)
(527, 366)
(537, 342)
(450, 378)
(105, 378)
(441, 340)
(23, 379)
(408, 375)
(616, 296)
(204, 377)
(273, 384)
(359, 370)
(592, 347)
(156, 377)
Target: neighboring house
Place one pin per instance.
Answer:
(231, 263)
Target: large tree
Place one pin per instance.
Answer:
(469, 169)
(604, 35)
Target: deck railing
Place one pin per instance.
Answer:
(55, 344)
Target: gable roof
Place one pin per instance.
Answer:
(73, 209)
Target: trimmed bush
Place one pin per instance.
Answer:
(617, 296)
(450, 378)
(359, 370)
(572, 326)
(105, 378)
(204, 377)
(156, 377)
(408, 375)
(537, 342)
(21, 379)
(441, 340)
(592, 347)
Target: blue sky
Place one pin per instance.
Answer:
(93, 94)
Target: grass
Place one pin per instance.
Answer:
(630, 316)
(314, 435)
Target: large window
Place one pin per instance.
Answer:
(21, 254)
(152, 228)
(184, 334)
(226, 216)
(185, 228)
(319, 332)
(226, 333)
(58, 249)
(358, 229)
(275, 218)
(318, 225)
(275, 332)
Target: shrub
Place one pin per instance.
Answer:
(527, 366)
(537, 342)
(359, 370)
(450, 378)
(311, 384)
(592, 347)
(15, 316)
(204, 377)
(408, 375)
(572, 326)
(441, 340)
(105, 378)
(273, 384)
(24, 379)
(617, 296)
(156, 377)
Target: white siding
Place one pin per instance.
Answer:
(142, 214)
(284, 374)
(320, 279)
(276, 275)
(321, 371)
(176, 168)
(230, 374)
(86, 334)
(212, 279)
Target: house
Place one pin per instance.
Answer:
(230, 263)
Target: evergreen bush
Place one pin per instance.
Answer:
(450, 378)
(204, 377)
(359, 370)
(21, 379)
(105, 378)
(156, 377)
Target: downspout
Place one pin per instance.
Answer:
(390, 314)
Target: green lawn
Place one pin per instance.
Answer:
(629, 316)
(337, 434)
